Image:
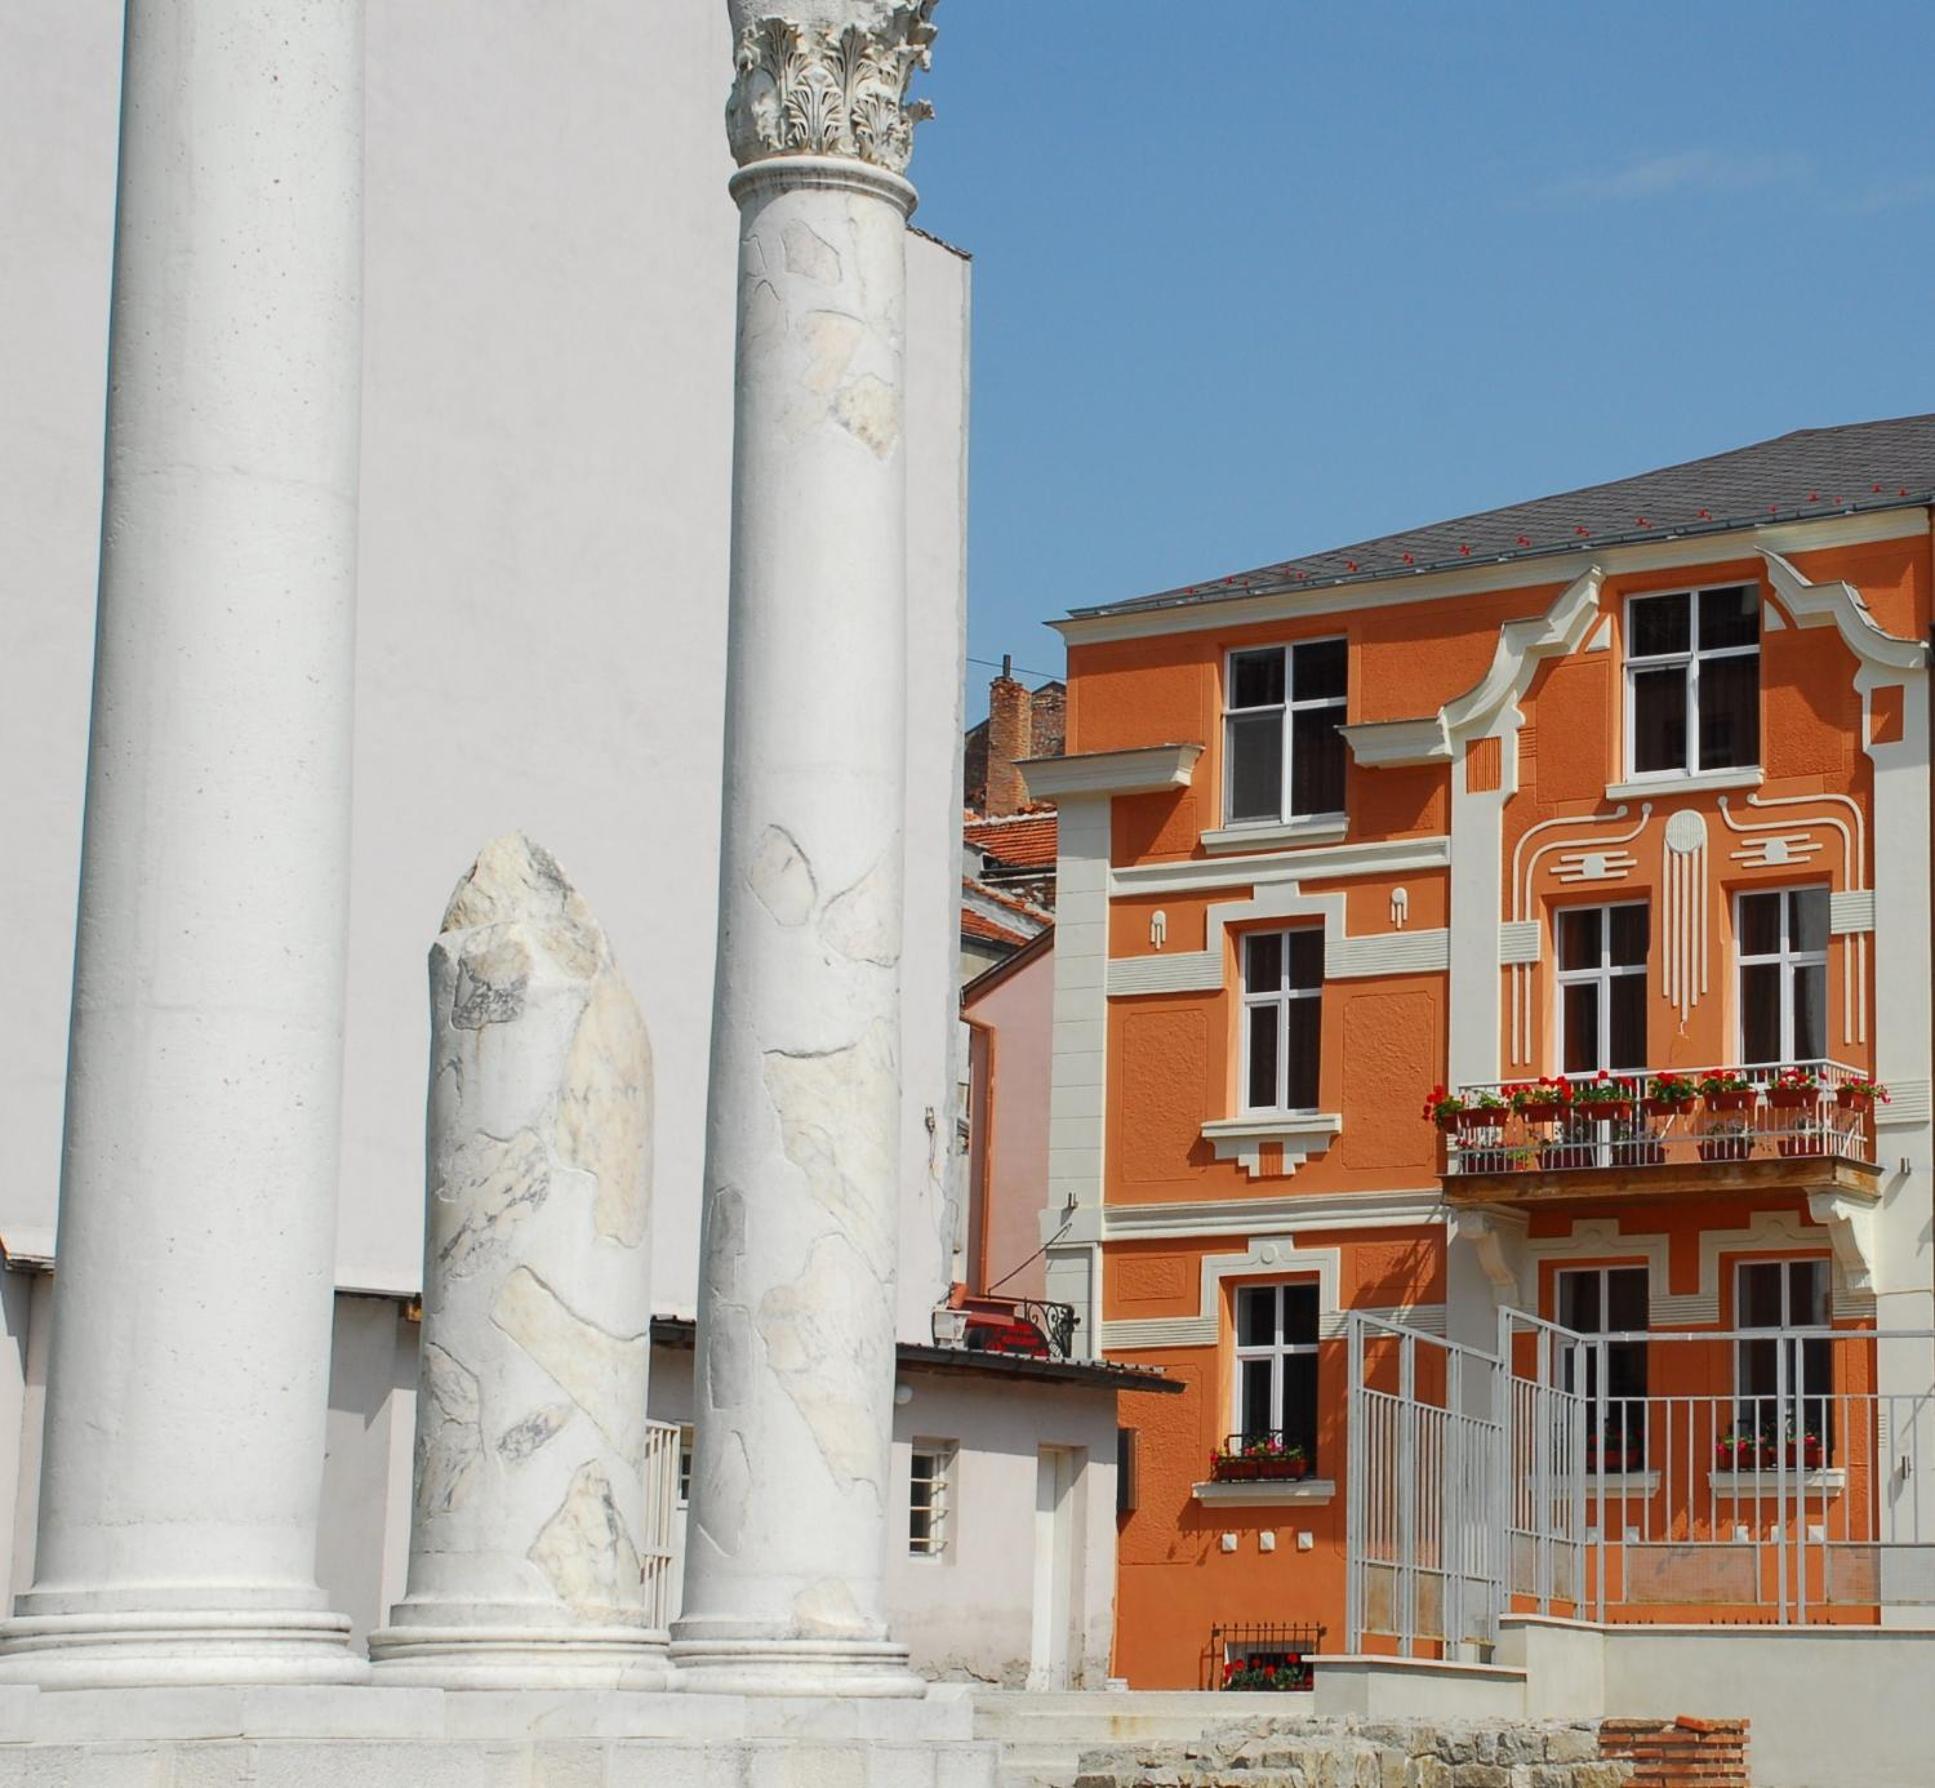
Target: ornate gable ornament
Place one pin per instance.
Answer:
(831, 89)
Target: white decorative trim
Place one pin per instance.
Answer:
(1840, 605)
(1262, 1494)
(1598, 1238)
(1851, 910)
(1522, 645)
(1683, 909)
(1427, 1319)
(1301, 1214)
(1668, 553)
(827, 89)
(1326, 830)
(1496, 1237)
(1299, 1134)
(1685, 782)
(1142, 771)
(1740, 1486)
(1850, 1223)
(1395, 856)
(1519, 941)
(1132, 1333)
(1909, 1105)
(1191, 971)
(1392, 953)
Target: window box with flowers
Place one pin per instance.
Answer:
(1735, 1451)
(1670, 1095)
(1479, 1110)
(1254, 1458)
(1860, 1095)
(1541, 1101)
(1602, 1098)
(1795, 1089)
(1268, 1674)
(1727, 1089)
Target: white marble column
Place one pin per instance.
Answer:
(190, 1356)
(786, 1542)
(529, 1535)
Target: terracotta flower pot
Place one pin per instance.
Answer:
(1540, 1111)
(1850, 1100)
(1667, 1107)
(1793, 1098)
(1740, 1101)
(1480, 1118)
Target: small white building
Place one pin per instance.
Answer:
(541, 636)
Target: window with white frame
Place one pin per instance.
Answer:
(1608, 1301)
(930, 1498)
(1784, 1384)
(1693, 681)
(1602, 987)
(1283, 750)
(1276, 1364)
(688, 1442)
(1780, 940)
(1283, 987)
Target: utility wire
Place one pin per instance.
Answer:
(1038, 1253)
(995, 664)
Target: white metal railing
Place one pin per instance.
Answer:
(655, 1550)
(1764, 1477)
(1626, 1123)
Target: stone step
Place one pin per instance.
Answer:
(1043, 1736)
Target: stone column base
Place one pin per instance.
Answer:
(866, 1669)
(178, 1649)
(526, 1657)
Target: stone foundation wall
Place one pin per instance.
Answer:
(1682, 1753)
(1355, 1753)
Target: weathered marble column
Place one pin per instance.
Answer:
(190, 1354)
(786, 1541)
(529, 1525)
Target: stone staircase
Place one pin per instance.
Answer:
(1042, 1736)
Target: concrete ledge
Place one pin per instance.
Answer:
(1417, 1688)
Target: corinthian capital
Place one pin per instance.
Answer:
(828, 77)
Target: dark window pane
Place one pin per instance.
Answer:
(1300, 1403)
(1630, 934)
(1810, 1013)
(1628, 1022)
(1256, 679)
(1579, 1302)
(1317, 761)
(1306, 958)
(1760, 924)
(1258, 1415)
(1300, 1313)
(1256, 767)
(1579, 938)
(1306, 1022)
(1582, 1028)
(1729, 618)
(1760, 1299)
(1626, 1293)
(1760, 1013)
(1659, 624)
(1256, 1316)
(1808, 918)
(1729, 712)
(1807, 1297)
(1263, 962)
(1264, 1044)
(1626, 1377)
(1320, 670)
(1659, 720)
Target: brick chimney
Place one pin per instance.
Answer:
(1010, 736)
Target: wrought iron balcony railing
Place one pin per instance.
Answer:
(1791, 1111)
(1030, 1327)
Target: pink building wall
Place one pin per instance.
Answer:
(1010, 1013)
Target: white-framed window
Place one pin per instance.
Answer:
(1608, 1300)
(930, 1497)
(1693, 681)
(1602, 987)
(1780, 945)
(1784, 1384)
(1276, 1364)
(688, 1441)
(1283, 752)
(1283, 987)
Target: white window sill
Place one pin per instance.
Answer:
(1766, 1485)
(1267, 1493)
(1321, 828)
(1300, 1134)
(1685, 782)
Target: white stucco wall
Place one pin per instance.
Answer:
(541, 617)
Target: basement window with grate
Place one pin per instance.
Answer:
(930, 1498)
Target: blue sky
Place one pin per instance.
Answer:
(1256, 280)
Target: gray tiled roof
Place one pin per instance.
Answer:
(1811, 472)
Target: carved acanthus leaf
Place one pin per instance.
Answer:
(827, 90)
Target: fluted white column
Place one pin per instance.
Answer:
(191, 1338)
(786, 1541)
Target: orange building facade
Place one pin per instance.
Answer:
(1610, 788)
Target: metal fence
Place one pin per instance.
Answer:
(1763, 1477)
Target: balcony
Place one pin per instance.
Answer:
(1776, 1126)
(1029, 1327)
